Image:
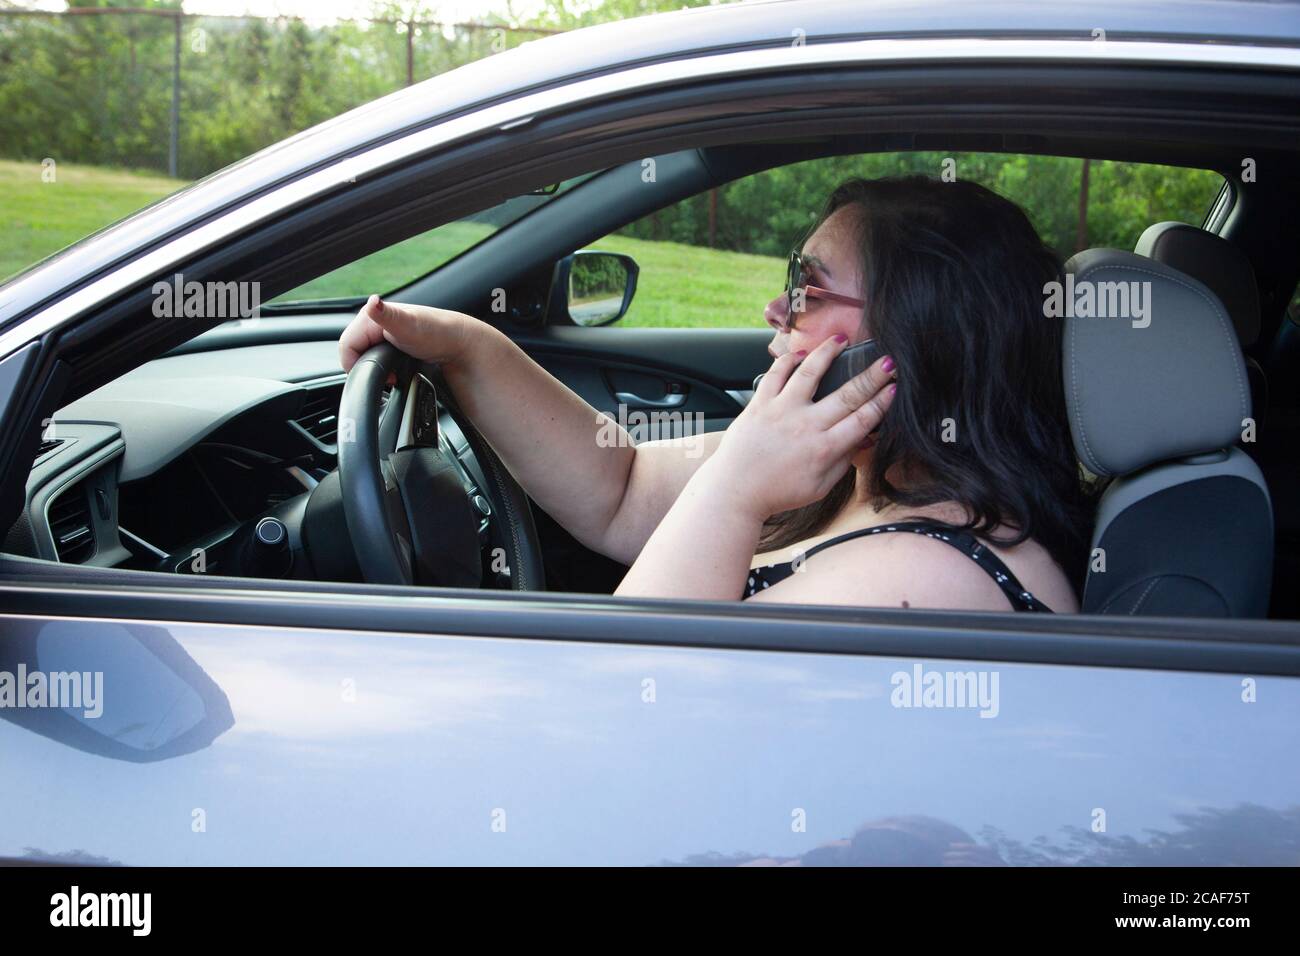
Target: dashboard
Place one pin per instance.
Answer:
(176, 465)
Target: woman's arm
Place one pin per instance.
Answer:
(784, 451)
(703, 547)
(576, 463)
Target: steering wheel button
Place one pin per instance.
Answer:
(482, 505)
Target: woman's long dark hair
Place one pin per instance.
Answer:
(953, 278)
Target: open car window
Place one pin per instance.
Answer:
(716, 259)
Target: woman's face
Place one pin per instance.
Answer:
(833, 262)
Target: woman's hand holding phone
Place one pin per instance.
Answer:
(786, 450)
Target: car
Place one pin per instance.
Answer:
(251, 653)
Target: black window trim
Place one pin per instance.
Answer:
(1248, 648)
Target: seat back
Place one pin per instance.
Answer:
(1226, 271)
(1156, 386)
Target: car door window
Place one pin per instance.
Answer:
(716, 259)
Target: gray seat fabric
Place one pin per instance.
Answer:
(1226, 271)
(1156, 386)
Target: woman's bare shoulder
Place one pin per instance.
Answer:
(914, 570)
(888, 570)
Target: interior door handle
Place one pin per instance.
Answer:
(668, 401)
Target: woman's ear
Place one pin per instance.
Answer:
(862, 457)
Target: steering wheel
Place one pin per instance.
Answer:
(412, 511)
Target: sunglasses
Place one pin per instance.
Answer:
(796, 281)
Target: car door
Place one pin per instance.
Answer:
(365, 725)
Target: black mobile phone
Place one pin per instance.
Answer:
(854, 360)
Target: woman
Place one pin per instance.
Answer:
(957, 435)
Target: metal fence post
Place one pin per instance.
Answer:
(173, 153)
(410, 51)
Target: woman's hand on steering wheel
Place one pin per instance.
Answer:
(406, 508)
(422, 332)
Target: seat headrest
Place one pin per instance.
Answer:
(1152, 366)
(1214, 261)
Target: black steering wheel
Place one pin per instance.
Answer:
(414, 511)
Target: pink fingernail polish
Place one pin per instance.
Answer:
(893, 388)
(841, 337)
(887, 364)
(801, 353)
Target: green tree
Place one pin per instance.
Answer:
(572, 14)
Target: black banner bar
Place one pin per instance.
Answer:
(333, 905)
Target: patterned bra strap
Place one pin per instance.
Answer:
(963, 541)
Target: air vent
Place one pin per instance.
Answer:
(71, 525)
(319, 417)
(48, 446)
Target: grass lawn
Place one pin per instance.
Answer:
(38, 218)
(679, 285)
(395, 266)
(693, 287)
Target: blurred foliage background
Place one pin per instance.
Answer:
(97, 88)
(765, 214)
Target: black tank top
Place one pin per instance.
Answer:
(1021, 600)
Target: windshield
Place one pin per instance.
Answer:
(401, 264)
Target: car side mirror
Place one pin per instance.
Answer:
(125, 691)
(594, 288)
